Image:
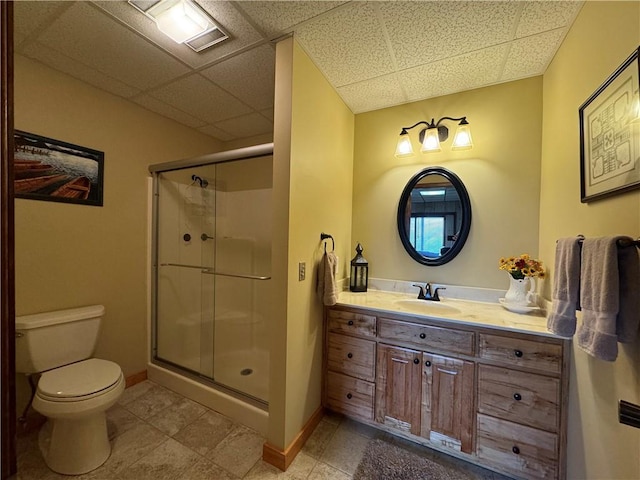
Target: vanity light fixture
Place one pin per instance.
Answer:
(432, 134)
(184, 21)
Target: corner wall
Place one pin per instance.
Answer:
(602, 37)
(501, 174)
(73, 255)
(313, 160)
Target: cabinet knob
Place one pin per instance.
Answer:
(427, 363)
(349, 396)
(349, 355)
(517, 353)
(517, 396)
(423, 335)
(516, 450)
(416, 361)
(350, 323)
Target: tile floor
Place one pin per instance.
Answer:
(157, 434)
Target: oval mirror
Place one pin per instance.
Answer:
(434, 216)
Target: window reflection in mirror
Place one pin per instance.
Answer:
(434, 216)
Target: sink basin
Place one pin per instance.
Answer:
(426, 307)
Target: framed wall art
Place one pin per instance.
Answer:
(48, 169)
(610, 135)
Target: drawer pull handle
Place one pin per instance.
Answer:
(350, 323)
(349, 355)
(427, 363)
(516, 450)
(517, 396)
(423, 335)
(349, 396)
(517, 353)
(416, 361)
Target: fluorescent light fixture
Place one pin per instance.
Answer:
(182, 21)
(431, 193)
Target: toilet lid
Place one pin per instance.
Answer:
(79, 379)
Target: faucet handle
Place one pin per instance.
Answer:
(435, 293)
(421, 293)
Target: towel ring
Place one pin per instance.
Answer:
(324, 236)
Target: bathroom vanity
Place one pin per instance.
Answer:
(466, 378)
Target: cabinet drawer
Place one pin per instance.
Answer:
(523, 353)
(351, 356)
(350, 396)
(353, 323)
(516, 449)
(521, 397)
(427, 337)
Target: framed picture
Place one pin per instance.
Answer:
(48, 169)
(610, 135)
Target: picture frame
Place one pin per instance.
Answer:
(610, 135)
(56, 171)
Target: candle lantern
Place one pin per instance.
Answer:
(359, 272)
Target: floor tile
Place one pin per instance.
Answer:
(203, 435)
(319, 439)
(152, 401)
(119, 420)
(203, 469)
(345, 450)
(239, 451)
(177, 416)
(322, 471)
(167, 462)
(299, 469)
(133, 392)
(357, 427)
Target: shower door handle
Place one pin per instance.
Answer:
(208, 270)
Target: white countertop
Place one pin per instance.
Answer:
(475, 313)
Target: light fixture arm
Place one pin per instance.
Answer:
(404, 129)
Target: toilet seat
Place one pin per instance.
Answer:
(79, 381)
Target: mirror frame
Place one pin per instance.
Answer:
(466, 216)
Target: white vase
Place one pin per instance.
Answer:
(521, 292)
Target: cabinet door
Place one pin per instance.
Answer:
(398, 387)
(447, 402)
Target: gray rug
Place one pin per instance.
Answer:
(384, 461)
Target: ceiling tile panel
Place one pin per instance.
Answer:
(277, 17)
(201, 98)
(454, 74)
(90, 37)
(246, 125)
(31, 16)
(538, 17)
(59, 61)
(268, 114)
(423, 32)
(250, 76)
(530, 56)
(168, 111)
(216, 133)
(373, 94)
(345, 49)
(241, 33)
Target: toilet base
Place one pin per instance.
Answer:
(75, 446)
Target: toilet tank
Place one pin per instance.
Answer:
(52, 339)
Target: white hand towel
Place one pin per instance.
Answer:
(566, 287)
(326, 281)
(609, 307)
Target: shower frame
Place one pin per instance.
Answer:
(246, 153)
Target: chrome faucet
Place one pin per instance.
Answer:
(425, 293)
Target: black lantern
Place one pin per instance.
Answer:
(359, 272)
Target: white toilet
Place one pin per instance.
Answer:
(74, 390)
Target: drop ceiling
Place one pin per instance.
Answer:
(375, 54)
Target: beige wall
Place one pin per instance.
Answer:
(603, 36)
(73, 255)
(501, 174)
(312, 194)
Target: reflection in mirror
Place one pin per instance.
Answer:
(434, 216)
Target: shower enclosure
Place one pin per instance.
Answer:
(211, 270)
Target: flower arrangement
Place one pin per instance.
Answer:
(522, 266)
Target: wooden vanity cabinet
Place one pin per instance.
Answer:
(493, 397)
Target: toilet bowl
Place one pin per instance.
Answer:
(74, 391)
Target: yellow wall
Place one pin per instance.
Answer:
(312, 194)
(603, 36)
(501, 174)
(73, 255)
